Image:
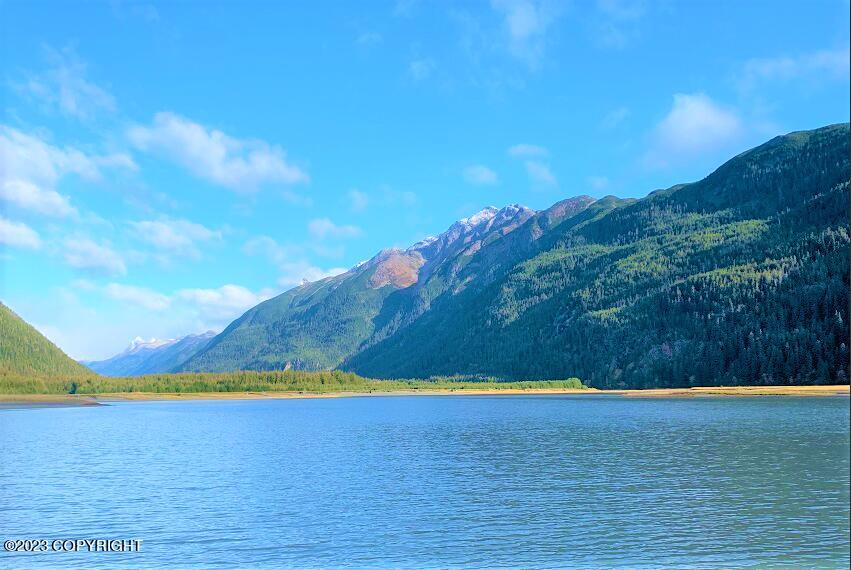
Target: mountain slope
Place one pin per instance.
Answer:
(27, 356)
(740, 278)
(152, 357)
(318, 325)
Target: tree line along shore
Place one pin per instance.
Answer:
(329, 381)
(91, 389)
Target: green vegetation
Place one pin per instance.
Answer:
(271, 381)
(741, 278)
(29, 362)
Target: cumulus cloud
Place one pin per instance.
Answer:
(695, 123)
(212, 306)
(539, 173)
(225, 302)
(480, 175)
(526, 23)
(140, 296)
(15, 234)
(30, 169)
(527, 150)
(65, 87)
(28, 196)
(822, 64)
(85, 254)
(180, 237)
(321, 228)
(210, 154)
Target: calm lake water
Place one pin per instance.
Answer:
(470, 481)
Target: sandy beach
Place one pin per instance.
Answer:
(11, 401)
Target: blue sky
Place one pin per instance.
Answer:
(167, 166)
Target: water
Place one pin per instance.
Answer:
(468, 481)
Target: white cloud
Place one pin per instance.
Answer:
(298, 272)
(421, 69)
(226, 302)
(527, 150)
(83, 253)
(30, 169)
(289, 260)
(526, 24)
(358, 201)
(64, 87)
(540, 173)
(28, 196)
(694, 124)
(321, 228)
(615, 118)
(480, 175)
(241, 165)
(598, 182)
(180, 237)
(18, 235)
(145, 298)
(831, 64)
(85, 332)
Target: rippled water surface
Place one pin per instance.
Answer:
(502, 481)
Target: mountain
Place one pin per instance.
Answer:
(318, 325)
(740, 278)
(151, 357)
(27, 357)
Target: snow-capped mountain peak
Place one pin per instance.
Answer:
(483, 215)
(139, 343)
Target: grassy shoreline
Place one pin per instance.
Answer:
(46, 400)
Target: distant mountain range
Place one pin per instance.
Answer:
(151, 357)
(740, 278)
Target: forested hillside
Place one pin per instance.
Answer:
(740, 278)
(26, 357)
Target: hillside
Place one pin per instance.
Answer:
(26, 356)
(740, 278)
(318, 325)
(152, 357)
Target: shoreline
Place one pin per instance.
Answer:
(15, 401)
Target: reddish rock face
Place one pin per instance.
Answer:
(397, 268)
(403, 268)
